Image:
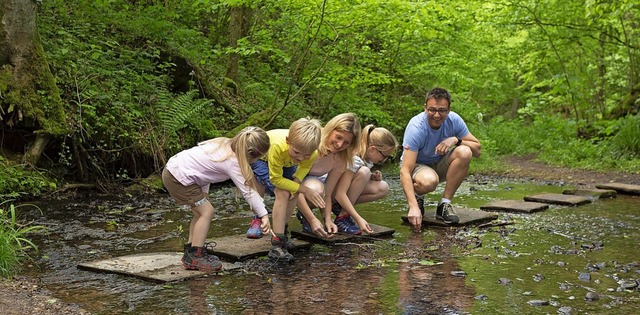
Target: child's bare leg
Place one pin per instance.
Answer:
(199, 228)
(279, 213)
(375, 190)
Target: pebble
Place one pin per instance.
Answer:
(565, 310)
(592, 296)
(538, 302)
(584, 276)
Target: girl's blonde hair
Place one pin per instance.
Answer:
(304, 134)
(344, 122)
(248, 144)
(379, 137)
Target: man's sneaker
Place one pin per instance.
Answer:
(279, 249)
(346, 225)
(336, 208)
(198, 259)
(306, 227)
(255, 231)
(446, 213)
(420, 200)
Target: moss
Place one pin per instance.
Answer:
(34, 93)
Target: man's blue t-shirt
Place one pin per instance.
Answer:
(420, 137)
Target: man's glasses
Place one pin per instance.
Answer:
(441, 111)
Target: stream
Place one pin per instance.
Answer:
(564, 260)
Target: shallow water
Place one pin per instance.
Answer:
(539, 257)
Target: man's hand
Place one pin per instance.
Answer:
(415, 218)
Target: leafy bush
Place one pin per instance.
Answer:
(14, 243)
(17, 182)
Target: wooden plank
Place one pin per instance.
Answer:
(467, 217)
(591, 192)
(558, 199)
(621, 188)
(155, 267)
(239, 247)
(379, 231)
(515, 206)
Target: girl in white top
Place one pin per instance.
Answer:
(359, 184)
(188, 175)
(340, 138)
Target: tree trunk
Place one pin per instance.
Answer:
(238, 28)
(29, 97)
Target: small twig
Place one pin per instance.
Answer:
(493, 224)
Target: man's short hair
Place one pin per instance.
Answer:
(438, 93)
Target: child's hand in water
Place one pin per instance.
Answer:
(364, 225)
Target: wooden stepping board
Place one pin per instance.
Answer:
(515, 206)
(467, 217)
(591, 192)
(239, 247)
(621, 188)
(378, 232)
(558, 199)
(155, 267)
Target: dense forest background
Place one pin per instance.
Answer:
(106, 91)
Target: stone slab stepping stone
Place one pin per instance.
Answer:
(467, 217)
(155, 267)
(239, 247)
(558, 199)
(515, 206)
(379, 231)
(591, 192)
(621, 188)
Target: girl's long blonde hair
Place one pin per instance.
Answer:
(379, 137)
(344, 122)
(248, 144)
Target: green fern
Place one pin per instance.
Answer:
(174, 112)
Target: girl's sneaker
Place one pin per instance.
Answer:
(346, 225)
(255, 231)
(197, 258)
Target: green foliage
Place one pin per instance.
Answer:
(626, 142)
(176, 112)
(20, 182)
(526, 78)
(14, 243)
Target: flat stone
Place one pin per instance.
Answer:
(515, 206)
(155, 267)
(379, 231)
(621, 188)
(591, 192)
(558, 199)
(239, 247)
(467, 217)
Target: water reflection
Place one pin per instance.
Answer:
(431, 289)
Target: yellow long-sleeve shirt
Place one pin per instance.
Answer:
(278, 157)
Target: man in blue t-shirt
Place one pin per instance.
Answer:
(437, 147)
